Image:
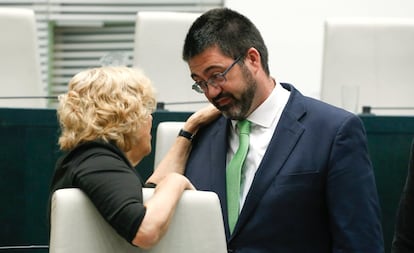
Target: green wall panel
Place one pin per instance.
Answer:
(389, 142)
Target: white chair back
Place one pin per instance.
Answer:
(376, 55)
(20, 74)
(159, 40)
(167, 131)
(76, 226)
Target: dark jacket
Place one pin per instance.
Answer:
(403, 241)
(314, 190)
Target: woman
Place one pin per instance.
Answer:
(105, 119)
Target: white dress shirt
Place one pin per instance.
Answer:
(263, 124)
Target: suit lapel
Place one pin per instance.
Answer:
(285, 138)
(217, 156)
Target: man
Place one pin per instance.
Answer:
(307, 183)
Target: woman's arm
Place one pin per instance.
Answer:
(170, 183)
(160, 209)
(176, 157)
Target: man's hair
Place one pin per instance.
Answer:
(230, 31)
(107, 103)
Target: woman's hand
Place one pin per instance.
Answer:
(200, 118)
(176, 157)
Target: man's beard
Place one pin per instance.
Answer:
(239, 108)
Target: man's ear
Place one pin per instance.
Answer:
(253, 59)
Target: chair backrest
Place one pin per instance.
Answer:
(76, 226)
(159, 40)
(167, 131)
(375, 54)
(20, 74)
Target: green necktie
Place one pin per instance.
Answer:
(233, 173)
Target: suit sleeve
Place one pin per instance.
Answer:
(351, 192)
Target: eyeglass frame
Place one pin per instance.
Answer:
(197, 86)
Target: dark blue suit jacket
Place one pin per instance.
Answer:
(314, 190)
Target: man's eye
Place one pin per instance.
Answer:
(201, 83)
(214, 76)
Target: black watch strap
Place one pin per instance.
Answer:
(185, 134)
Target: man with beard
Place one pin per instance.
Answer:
(307, 182)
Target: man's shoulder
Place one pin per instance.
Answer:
(216, 130)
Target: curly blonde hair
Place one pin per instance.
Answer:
(107, 103)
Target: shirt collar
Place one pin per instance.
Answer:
(267, 112)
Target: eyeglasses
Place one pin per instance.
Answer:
(215, 80)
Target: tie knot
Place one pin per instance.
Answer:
(244, 126)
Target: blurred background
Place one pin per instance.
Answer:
(74, 34)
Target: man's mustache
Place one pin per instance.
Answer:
(222, 95)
